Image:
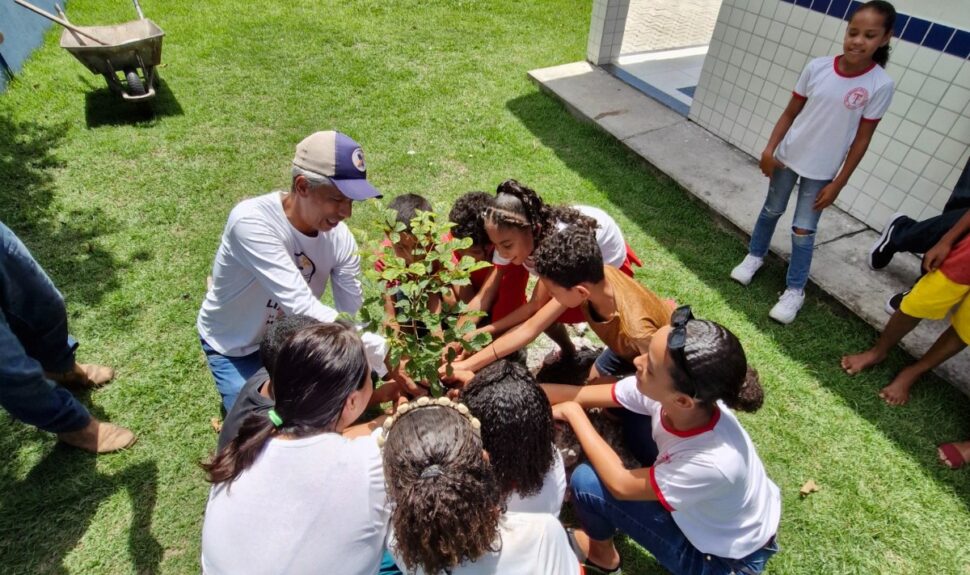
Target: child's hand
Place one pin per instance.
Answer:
(935, 256)
(825, 197)
(768, 163)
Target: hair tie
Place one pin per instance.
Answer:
(275, 418)
(433, 470)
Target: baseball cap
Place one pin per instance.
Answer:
(338, 157)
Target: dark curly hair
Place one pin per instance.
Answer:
(718, 368)
(570, 257)
(276, 334)
(406, 206)
(466, 214)
(446, 501)
(520, 207)
(517, 427)
(317, 369)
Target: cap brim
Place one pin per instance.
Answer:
(357, 189)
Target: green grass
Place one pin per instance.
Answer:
(124, 209)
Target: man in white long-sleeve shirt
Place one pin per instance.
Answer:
(277, 255)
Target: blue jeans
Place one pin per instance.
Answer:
(34, 338)
(608, 363)
(653, 527)
(779, 191)
(230, 373)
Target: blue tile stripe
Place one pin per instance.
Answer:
(919, 31)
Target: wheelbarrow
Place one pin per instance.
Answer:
(125, 54)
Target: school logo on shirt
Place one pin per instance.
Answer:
(305, 265)
(856, 98)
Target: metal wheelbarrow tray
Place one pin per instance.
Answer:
(130, 47)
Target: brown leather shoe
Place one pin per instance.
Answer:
(99, 437)
(83, 375)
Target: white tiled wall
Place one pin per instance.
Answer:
(606, 30)
(920, 147)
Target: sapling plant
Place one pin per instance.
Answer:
(414, 304)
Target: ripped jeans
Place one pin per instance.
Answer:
(779, 191)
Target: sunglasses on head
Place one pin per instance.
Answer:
(677, 339)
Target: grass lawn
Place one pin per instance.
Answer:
(125, 209)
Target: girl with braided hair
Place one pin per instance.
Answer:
(703, 503)
(448, 510)
(517, 223)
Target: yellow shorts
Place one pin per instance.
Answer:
(934, 295)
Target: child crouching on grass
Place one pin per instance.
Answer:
(517, 432)
(945, 287)
(703, 503)
(497, 290)
(518, 222)
(447, 507)
(623, 313)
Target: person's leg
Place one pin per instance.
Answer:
(951, 342)
(960, 198)
(896, 329)
(230, 373)
(646, 522)
(917, 237)
(28, 396)
(945, 347)
(557, 333)
(608, 368)
(803, 231)
(638, 436)
(779, 191)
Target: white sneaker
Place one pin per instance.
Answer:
(744, 271)
(788, 305)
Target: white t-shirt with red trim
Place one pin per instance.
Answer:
(608, 236)
(710, 479)
(819, 138)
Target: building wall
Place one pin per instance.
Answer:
(759, 49)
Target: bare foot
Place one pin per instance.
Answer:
(853, 364)
(897, 392)
(601, 553)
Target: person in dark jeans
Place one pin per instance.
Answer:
(37, 354)
(904, 234)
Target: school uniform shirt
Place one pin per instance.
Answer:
(549, 499)
(819, 138)
(956, 265)
(710, 479)
(639, 314)
(310, 505)
(608, 236)
(265, 268)
(531, 543)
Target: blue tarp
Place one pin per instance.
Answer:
(23, 31)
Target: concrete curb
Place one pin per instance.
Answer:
(729, 183)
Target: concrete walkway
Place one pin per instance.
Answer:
(729, 182)
(664, 24)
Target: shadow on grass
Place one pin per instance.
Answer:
(65, 244)
(102, 107)
(688, 231)
(45, 514)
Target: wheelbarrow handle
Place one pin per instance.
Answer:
(60, 21)
(138, 8)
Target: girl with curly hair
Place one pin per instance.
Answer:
(448, 514)
(517, 222)
(298, 489)
(703, 502)
(518, 434)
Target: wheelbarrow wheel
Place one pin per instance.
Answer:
(135, 85)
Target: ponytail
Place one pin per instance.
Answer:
(718, 368)
(446, 500)
(242, 451)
